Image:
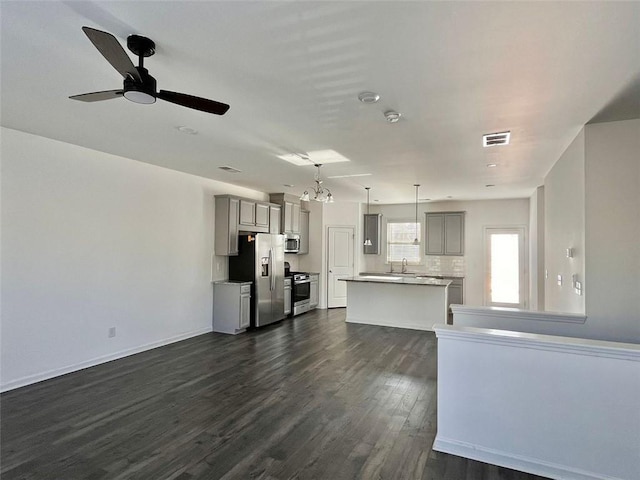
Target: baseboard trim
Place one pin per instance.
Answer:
(515, 462)
(40, 377)
(388, 323)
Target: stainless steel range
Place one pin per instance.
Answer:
(300, 292)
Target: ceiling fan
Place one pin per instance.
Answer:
(139, 86)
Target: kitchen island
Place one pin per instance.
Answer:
(394, 301)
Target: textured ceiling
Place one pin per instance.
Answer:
(292, 71)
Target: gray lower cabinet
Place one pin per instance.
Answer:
(445, 233)
(231, 307)
(314, 293)
(456, 293)
(287, 296)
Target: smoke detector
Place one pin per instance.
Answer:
(368, 97)
(391, 116)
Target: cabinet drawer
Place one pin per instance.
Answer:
(245, 289)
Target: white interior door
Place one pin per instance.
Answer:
(340, 264)
(505, 280)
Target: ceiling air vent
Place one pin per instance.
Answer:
(230, 169)
(494, 139)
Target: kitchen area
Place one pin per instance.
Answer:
(264, 244)
(260, 240)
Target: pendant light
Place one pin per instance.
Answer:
(415, 240)
(320, 193)
(367, 241)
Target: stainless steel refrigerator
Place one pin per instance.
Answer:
(260, 260)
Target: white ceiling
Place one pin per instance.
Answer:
(292, 71)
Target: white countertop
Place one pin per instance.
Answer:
(434, 282)
(231, 282)
(416, 274)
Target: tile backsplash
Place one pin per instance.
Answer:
(444, 264)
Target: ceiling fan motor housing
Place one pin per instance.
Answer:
(140, 92)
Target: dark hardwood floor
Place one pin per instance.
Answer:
(308, 398)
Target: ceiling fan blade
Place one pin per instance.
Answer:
(98, 96)
(111, 49)
(197, 103)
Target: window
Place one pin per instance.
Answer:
(400, 242)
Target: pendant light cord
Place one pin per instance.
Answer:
(416, 239)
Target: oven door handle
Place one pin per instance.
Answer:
(298, 282)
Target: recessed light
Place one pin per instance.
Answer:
(491, 165)
(391, 116)
(496, 139)
(424, 199)
(449, 196)
(368, 97)
(489, 185)
(288, 185)
(186, 130)
(376, 200)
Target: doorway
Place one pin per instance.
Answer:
(505, 267)
(339, 264)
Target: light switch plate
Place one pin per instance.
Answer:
(560, 280)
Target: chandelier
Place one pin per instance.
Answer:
(320, 194)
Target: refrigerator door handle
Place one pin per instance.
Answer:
(271, 277)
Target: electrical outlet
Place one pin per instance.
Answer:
(112, 332)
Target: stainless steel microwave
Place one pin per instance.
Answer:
(291, 243)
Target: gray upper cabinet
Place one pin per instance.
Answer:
(247, 213)
(254, 215)
(435, 234)
(372, 232)
(226, 233)
(274, 218)
(234, 214)
(304, 232)
(290, 221)
(445, 233)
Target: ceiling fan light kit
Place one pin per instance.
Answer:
(138, 85)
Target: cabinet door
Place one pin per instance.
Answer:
(314, 292)
(287, 299)
(233, 226)
(247, 213)
(288, 217)
(454, 234)
(245, 310)
(262, 215)
(372, 232)
(295, 220)
(274, 219)
(435, 234)
(304, 232)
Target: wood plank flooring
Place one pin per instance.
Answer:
(308, 398)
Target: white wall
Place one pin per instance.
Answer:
(92, 241)
(612, 287)
(479, 214)
(536, 249)
(564, 214)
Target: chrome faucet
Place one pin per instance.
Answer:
(404, 265)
